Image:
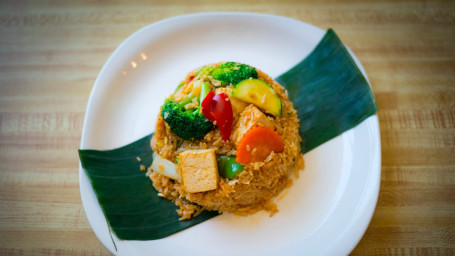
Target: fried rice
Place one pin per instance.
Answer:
(250, 191)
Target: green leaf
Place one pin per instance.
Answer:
(329, 92)
(330, 95)
(131, 204)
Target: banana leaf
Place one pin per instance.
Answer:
(328, 91)
(330, 94)
(127, 197)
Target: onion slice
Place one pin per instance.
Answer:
(165, 167)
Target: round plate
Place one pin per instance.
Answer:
(328, 208)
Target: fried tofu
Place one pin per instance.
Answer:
(199, 170)
(250, 117)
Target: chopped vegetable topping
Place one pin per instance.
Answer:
(205, 89)
(165, 167)
(206, 70)
(249, 118)
(232, 73)
(185, 118)
(228, 167)
(261, 141)
(188, 124)
(179, 86)
(219, 110)
(259, 93)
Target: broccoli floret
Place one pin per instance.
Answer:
(189, 124)
(233, 73)
(206, 70)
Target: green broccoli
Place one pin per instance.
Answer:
(189, 124)
(233, 73)
(206, 70)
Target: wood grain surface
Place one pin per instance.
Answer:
(52, 51)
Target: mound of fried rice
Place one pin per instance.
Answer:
(250, 191)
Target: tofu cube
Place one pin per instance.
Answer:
(199, 170)
(250, 117)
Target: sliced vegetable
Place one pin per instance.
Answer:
(165, 167)
(228, 167)
(259, 93)
(257, 144)
(205, 89)
(179, 86)
(190, 79)
(218, 109)
(187, 100)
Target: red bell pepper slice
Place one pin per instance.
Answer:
(217, 108)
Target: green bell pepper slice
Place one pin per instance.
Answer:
(228, 167)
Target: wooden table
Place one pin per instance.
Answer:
(51, 53)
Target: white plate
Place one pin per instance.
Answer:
(328, 208)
